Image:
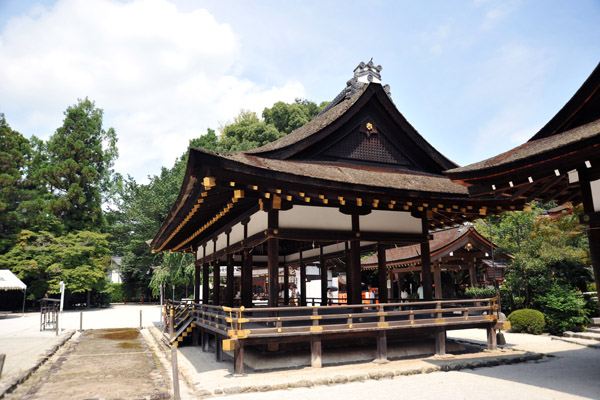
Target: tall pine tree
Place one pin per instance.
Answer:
(79, 170)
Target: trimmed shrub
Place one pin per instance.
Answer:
(527, 320)
(480, 292)
(563, 309)
(591, 287)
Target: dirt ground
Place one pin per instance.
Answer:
(99, 364)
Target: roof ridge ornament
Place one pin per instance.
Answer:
(364, 74)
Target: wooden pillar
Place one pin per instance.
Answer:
(472, 273)
(382, 272)
(286, 285)
(354, 263)
(273, 259)
(302, 281)
(316, 354)
(437, 280)
(246, 279)
(440, 341)
(491, 338)
(348, 275)
(218, 348)
(591, 219)
(381, 354)
(216, 281)
(197, 283)
(238, 358)
(390, 291)
(230, 282)
(426, 262)
(205, 288)
(323, 277)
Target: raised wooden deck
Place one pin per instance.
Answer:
(234, 328)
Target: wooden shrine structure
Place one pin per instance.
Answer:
(560, 163)
(356, 178)
(454, 249)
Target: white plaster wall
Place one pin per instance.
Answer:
(389, 221)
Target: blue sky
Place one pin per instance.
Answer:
(475, 78)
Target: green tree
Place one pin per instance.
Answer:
(79, 167)
(80, 259)
(247, 132)
(15, 151)
(287, 117)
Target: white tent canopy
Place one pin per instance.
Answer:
(9, 281)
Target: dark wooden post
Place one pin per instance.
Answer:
(491, 338)
(381, 356)
(382, 272)
(440, 341)
(246, 279)
(273, 259)
(286, 285)
(302, 281)
(218, 348)
(323, 278)
(592, 220)
(426, 262)
(197, 283)
(349, 299)
(472, 273)
(238, 358)
(437, 280)
(316, 354)
(205, 288)
(230, 282)
(354, 263)
(217, 282)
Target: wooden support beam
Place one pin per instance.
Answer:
(440, 341)
(302, 281)
(382, 274)
(437, 281)
(217, 282)
(538, 192)
(426, 263)
(286, 285)
(205, 287)
(381, 353)
(218, 348)
(323, 277)
(273, 259)
(238, 358)
(472, 273)
(348, 274)
(354, 264)
(230, 281)
(197, 284)
(246, 279)
(316, 352)
(491, 338)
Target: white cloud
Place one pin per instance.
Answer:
(497, 12)
(161, 75)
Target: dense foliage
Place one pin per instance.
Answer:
(551, 264)
(51, 196)
(480, 292)
(527, 321)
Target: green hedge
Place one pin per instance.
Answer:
(480, 292)
(527, 320)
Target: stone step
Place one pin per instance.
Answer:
(595, 321)
(582, 335)
(593, 329)
(582, 342)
